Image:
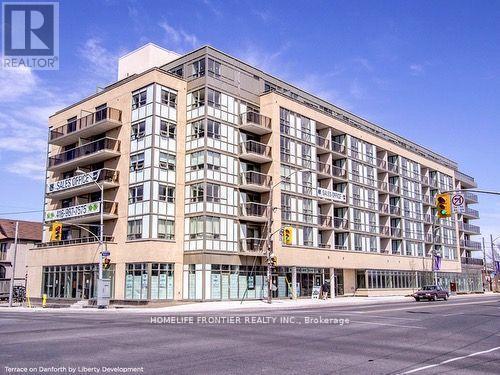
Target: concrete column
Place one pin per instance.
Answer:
(294, 282)
(332, 282)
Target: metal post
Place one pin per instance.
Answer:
(494, 284)
(269, 246)
(485, 268)
(101, 243)
(12, 277)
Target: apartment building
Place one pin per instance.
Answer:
(194, 152)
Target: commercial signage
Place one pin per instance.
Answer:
(458, 203)
(330, 194)
(74, 211)
(74, 181)
(316, 291)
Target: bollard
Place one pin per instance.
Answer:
(44, 300)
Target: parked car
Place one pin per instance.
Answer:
(431, 293)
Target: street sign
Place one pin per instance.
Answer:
(457, 203)
(106, 254)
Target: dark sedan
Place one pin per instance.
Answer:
(431, 293)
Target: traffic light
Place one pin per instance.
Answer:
(56, 231)
(106, 263)
(274, 261)
(443, 205)
(287, 235)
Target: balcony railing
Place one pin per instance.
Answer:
(74, 241)
(102, 144)
(256, 122)
(471, 212)
(325, 221)
(385, 231)
(472, 261)
(471, 197)
(254, 245)
(255, 178)
(324, 168)
(394, 210)
(392, 167)
(339, 172)
(260, 150)
(471, 244)
(393, 188)
(395, 232)
(340, 247)
(340, 223)
(429, 238)
(105, 114)
(338, 147)
(256, 210)
(427, 199)
(428, 219)
(469, 228)
(381, 163)
(383, 208)
(382, 185)
(322, 142)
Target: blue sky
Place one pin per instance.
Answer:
(410, 67)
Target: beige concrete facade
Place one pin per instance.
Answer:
(230, 89)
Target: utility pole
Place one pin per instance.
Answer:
(12, 277)
(485, 267)
(269, 247)
(493, 261)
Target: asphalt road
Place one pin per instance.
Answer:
(461, 336)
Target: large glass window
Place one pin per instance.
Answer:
(214, 98)
(139, 99)
(136, 162)
(138, 130)
(166, 229)
(3, 251)
(134, 229)
(168, 98)
(135, 194)
(214, 68)
(198, 68)
(167, 129)
(167, 161)
(166, 193)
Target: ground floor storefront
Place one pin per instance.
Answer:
(156, 282)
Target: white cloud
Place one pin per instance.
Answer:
(31, 167)
(99, 61)
(416, 69)
(269, 62)
(178, 38)
(15, 83)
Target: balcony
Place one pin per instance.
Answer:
(74, 241)
(325, 221)
(339, 172)
(469, 212)
(429, 238)
(255, 123)
(323, 169)
(85, 127)
(393, 189)
(384, 231)
(255, 181)
(253, 246)
(383, 208)
(395, 232)
(83, 213)
(472, 261)
(470, 197)
(338, 148)
(428, 219)
(466, 180)
(382, 185)
(393, 168)
(471, 245)
(340, 223)
(466, 227)
(256, 212)
(83, 184)
(90, 153)
(322, 143)
(255, 151)
(394, 210)
(427, 200)
(381, 164)
(424, 180)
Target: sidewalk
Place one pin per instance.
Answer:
(224, 306)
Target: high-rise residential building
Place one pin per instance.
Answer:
(192, 150)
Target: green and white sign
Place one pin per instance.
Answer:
(74, 211)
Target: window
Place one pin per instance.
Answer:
(214, 98)
(167, 161)
(358, 242)
(138, 130)
(306, 156)
(305, 128)
(198, 68)
(214, 67)
(213, 227)
(213, 129)
(168, 98)
(197, 160)
(356, 195)
(166, 193)
(197, 129)
(373, 244)
(135, 194)
(286, 207)
(3, 251)
(308, 236)
(198, 98)
(166, 229)
(213, 160)
(136, 162)
(213, 193)
(134, 229)
(197, 192)
(71, 124)
(167, 129)
(196, 227)
(139, 99)
(307, 205)
(178, 71)
(356, 218)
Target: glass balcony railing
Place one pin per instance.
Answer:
(255, 122)
(86, 122)
(255, 150)
(256, 178)
(87, 149)
(74, 241)
(472, 261)
(254, 245)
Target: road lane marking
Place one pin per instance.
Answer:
(384, 324)
(451, 360)
(431, 306)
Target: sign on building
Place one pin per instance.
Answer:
(74, 181)
(74, 211)
(330, 194)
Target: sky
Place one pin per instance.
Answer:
(427, 70)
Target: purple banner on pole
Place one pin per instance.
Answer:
(497, 266)
(437, 263)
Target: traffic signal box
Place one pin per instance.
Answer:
(443, 205)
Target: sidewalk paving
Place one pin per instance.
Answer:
(223, 306)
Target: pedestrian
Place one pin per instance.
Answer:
(325, 289)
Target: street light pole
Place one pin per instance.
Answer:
(13, 268)
(270, 234)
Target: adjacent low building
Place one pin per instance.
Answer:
(194, 152)
(29, 234)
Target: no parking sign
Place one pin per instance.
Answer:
(458, 203)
